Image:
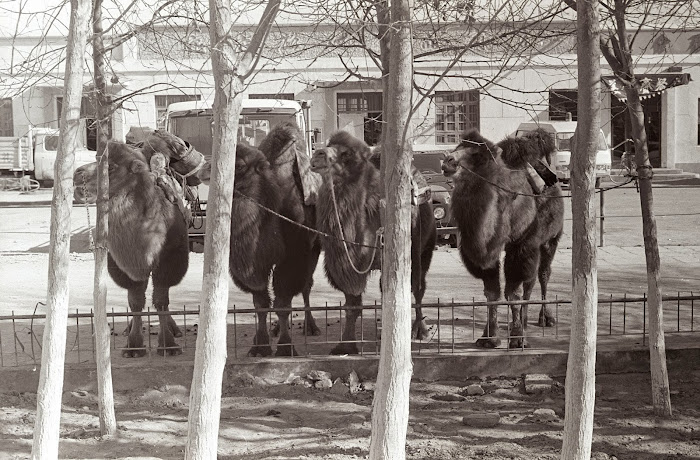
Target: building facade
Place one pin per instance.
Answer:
(339, 77)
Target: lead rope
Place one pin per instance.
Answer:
(377, 237)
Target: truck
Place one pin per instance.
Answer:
(562, 132)
(34, 154)
(192, 121)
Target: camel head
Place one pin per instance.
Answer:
(473, 151)
(532, 147)
(125, 163)
(543, 144)
(345, 156)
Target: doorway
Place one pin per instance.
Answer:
(360, 114)
(652, 125)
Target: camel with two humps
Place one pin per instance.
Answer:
(347, 210)
(500, 205)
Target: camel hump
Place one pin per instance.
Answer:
(351, 142)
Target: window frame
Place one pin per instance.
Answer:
(455, 112)
(7, 126)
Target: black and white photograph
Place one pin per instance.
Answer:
(359, 229)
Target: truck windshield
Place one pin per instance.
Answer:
(563, 141)
(252, 128)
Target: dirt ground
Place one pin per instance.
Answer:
(272, 420)
(285, 421)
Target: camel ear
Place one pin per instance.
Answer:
(137, 166)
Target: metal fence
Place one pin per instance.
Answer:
(453, 328)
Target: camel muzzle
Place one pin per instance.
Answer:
(319, 160)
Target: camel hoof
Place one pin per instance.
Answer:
(518, 343)
(345, 349)
(286, 350)
(488, 342)
(176, 331)
(546, 321)
(260, 350)
(173, 350)
(134, 353)
(419, 331)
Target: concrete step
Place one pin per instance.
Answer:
(669, 176)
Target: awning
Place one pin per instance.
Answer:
(652, 84)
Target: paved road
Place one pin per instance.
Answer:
(24, 236)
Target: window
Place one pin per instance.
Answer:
(359, 102)
(561, 102)
(285, 96)
(163, 101)
(455, 112)
(88, 113)
(6, 124)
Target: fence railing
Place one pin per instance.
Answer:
(453, 328)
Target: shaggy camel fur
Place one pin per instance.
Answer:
(267, 183)
(497, 209)
(147, 238)
(348, 209)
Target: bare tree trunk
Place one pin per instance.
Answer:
(391, 398)
(580, 369)
(660, 389)
(105, 392)
(49, 393)
(230, 71)
(618, 54)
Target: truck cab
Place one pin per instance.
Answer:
(192, 121)
(35, 154)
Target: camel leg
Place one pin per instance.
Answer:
(285, 347)
(348, 346)
(419, 330)
(546, 318)
(310, 327)
(492, 291)
(168, 328)
(261, 341)
(519, 268)
(136, 294)
(134, 342)
(171, 267)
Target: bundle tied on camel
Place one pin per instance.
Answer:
(175, 164)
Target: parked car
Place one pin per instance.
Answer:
(428, 160)
(562, 132)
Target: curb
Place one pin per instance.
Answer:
(155, 373)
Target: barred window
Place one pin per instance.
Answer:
(359, 102)
(6, 124)
(455, 112)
